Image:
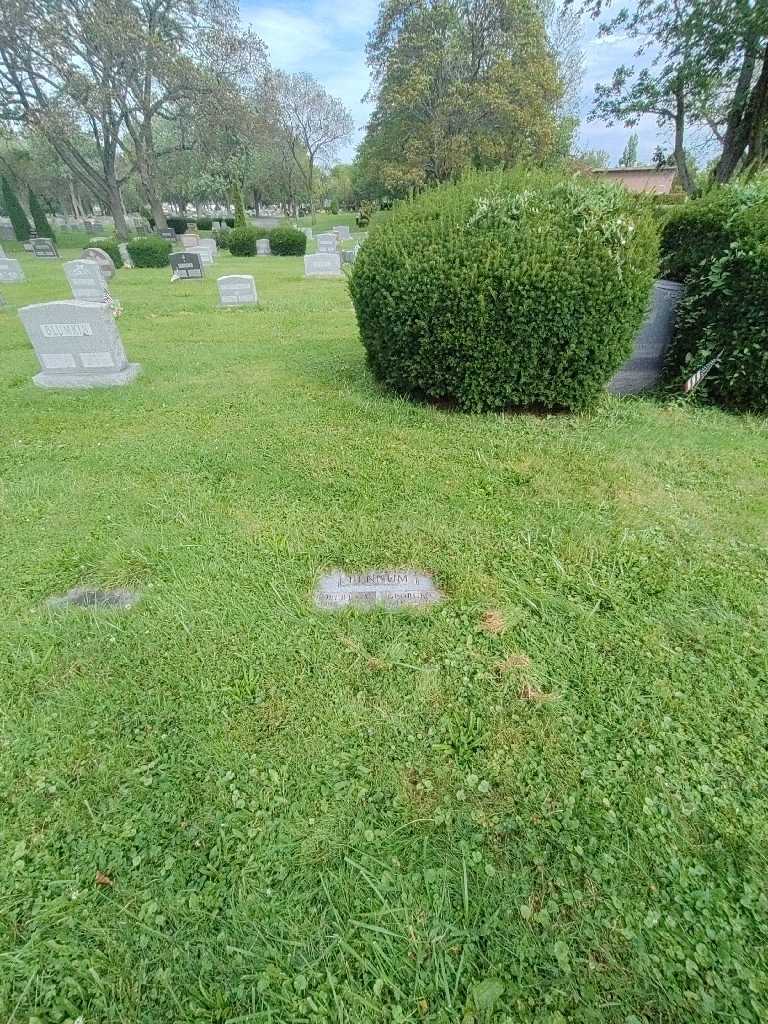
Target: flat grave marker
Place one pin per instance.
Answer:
(380, 588)
(186, 266)
(86, 281)
(44, 248)
(322, 264)
(77, 344)
(102, 259)
(11, 272)
(237, 290)
(95, 597)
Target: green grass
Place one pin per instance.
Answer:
(365, 817)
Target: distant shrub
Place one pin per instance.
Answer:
(13, 208)
(110, 247)
(179, 224)
(204, 223)
(229, 221)
(222, 238)
(287, 242)
(40, 218)
(242, 241)
(334, 208)
(152, 251)
(506, 290)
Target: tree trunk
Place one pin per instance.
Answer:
(680, 158)
(748, 110)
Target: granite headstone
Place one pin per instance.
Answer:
(77, 344)
(262, 247)
(237, 290)
(86, 281)
(322, 264)
(44, 248)
(102, 259)
(11, 272)
(186, 265)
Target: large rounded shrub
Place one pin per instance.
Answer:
(505, 290)
(287, 242)
(150, 252)
(242, 241)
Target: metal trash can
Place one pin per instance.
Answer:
(643, 368)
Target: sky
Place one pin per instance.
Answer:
(327, 39)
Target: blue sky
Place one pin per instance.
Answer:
(328, 40)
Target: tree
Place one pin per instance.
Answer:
(459, 84)
(42, 227)
(709, 69)
(60, 64)
(313, 123)
(13, 209)
(629, 156)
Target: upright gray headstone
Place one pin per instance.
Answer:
(6, 231)
(308, 232)
(125, 255)
(168, 233)
(186, 265)
(44, 249)
(86, 281)
(188, 240)
(102, 259)
(644, 367)
(237, 290)
(205, 254)
(262, 247)
(2, 253)
(350, 255)
(210, 245)
(322, 264)
(11, 272)
(342, 230)
(327, 242)
(78, 345)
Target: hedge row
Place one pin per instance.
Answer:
(506, 290)
(720, 245)
(283, 241)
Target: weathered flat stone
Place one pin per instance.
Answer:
(387, 588)
(322, 264)
(95, 597)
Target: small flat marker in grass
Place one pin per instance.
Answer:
(387, 588)
(94, 597)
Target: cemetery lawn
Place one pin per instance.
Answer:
(544, 801)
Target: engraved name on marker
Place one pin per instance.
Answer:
(387, 588)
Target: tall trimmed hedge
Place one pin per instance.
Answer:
(506, 290)
(15, 211)
(179, 224)
(39, 218)
(725, 310)
(702, 229)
